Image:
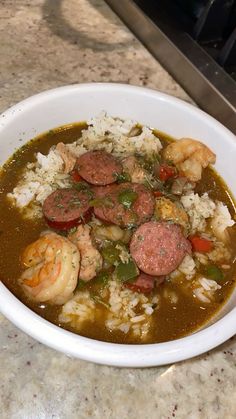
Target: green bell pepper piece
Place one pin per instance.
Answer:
(102, 278)
(215, 273)
(127, 198)
(126, 271)
(110, 254)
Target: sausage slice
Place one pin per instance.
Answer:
(66, 208)
(144, 283)
(98, 167)
(110, 209)
(158, 247)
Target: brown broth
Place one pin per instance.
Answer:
(170, 322)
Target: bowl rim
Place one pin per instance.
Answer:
(7, 114)
(115, 354)
(121, 355)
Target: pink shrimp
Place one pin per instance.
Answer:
(52, 264)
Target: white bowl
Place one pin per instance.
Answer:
(77, 103)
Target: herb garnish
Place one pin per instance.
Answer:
(97, 299)
(83, 186)
(122, 177)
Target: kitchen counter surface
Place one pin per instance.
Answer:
(50, 43)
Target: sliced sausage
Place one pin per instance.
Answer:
(102, 191)
(110, 209)
(66, 208)
(144, 283)
(159, 280)
(98, 167)
(159, 247)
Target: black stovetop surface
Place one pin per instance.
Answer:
(212, 24)
(195, 41)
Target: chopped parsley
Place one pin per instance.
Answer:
(122, 177)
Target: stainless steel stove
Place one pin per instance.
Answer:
(195, 40)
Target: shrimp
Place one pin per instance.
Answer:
(68, 158)
(91, 260)
(52, 265)
(190, 157)
(136, 172)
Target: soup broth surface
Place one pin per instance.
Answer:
(171, 321)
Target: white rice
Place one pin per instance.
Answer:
(220, 221)
(112, 134)
(187, 267)
(209, 284)
(127, 311)
(220, 254)
(199, 209)
(79, 309)
(124, 254)
(205, 288)
(39, 179)
(186, 270)
(202, 258)
(104, 132)
(171, 296)
(130, 311)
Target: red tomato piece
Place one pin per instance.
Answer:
(157, 194)
(166, 172)
(199, 244)
(75, 176)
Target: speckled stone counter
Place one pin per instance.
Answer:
(45, 44)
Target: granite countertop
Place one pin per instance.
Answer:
(50, 43)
